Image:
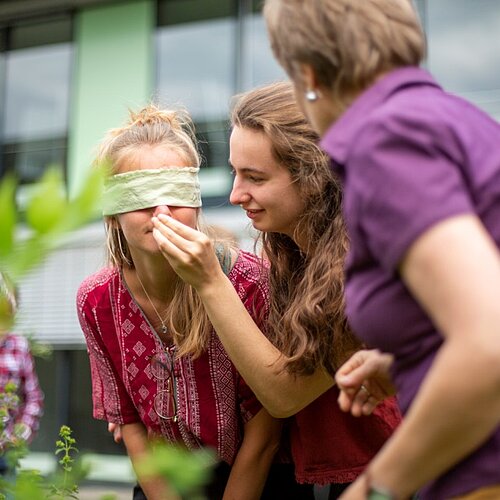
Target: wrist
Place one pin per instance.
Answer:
(376, 491)
(214, 287)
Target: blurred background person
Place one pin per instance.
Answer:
(21, 400)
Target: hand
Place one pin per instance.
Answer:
(116, 430)
(364, 380)
(189, 252)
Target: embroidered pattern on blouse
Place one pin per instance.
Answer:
(128, 349)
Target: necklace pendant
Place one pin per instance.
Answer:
(164, 330)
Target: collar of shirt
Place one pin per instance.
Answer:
(338, 138)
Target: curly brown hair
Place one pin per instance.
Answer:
(307, 314)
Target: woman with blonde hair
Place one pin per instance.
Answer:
(420, 170)
(283, 182)
(158, 369)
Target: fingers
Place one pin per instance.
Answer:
(116, 430)
(169, 234)
(175, 234)
(170, 249)
(361, 366)
(359, 402)
(364, 402)
(179, 228)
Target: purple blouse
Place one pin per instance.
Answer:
(411, 155)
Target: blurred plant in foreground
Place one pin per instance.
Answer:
(186, 471)
(49, 217)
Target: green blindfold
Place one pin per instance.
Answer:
(173, 186)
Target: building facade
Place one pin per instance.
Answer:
(69, 69)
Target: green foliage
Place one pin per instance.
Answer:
(17, 449)
(8, 218)
(185, 470)
(14, 446)
(64, 484)
(49, 215)
(48, 203)
(38, 349)
(28, 485)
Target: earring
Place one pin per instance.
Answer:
(311, 95)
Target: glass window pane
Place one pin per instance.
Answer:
(463, 49)
(196, 67)
(259, 66)
(34, 118)
(37, 91)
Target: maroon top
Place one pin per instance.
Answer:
(213, 400)
(330, 446)
(411, 155)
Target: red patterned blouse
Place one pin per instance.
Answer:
(213, 402)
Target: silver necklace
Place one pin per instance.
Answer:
(164, 328)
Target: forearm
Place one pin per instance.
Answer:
(136, 442)
(446, 422)
(251, 467)
(248, 477)
(256, 358)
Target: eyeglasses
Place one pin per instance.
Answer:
(162, 368)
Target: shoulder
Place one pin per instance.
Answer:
(95, 287)
(250, 267)
(430, 120)
(250, 276)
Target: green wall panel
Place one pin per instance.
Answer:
(114, 71)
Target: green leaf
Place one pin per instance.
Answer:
(47, 206)
(87, 203)
(29, 486)
(27, 254)
(185, 470)
(8, 214)
(7, 310)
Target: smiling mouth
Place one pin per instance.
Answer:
(252, 213)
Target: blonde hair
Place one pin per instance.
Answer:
(348, 43)
(173, 129)
(150, 126)
(306, 320)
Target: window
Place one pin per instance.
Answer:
(462, 49)
(259, 64)
(35, 77)
(208, 51)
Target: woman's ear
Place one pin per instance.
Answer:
(307, 76)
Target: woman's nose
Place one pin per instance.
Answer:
(161, 209)
(238, 195)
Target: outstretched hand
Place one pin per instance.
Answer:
(189, 252)
(364, 381)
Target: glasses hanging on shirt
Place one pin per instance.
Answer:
(162, 368)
